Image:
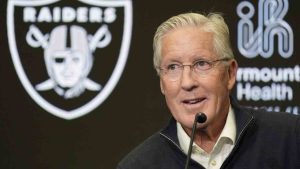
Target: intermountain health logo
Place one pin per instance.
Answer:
(264, 31)
(69, 56)
(260, 41)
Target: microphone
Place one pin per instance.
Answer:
(199, 118)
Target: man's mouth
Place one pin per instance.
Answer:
(193, 101)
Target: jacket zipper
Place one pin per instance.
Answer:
(180, 148)
(235, 147)
(237, 142)
(172, 142)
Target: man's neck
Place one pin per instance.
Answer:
(206, 138)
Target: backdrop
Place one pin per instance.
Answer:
(78, 89)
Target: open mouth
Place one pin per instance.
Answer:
(193, 101)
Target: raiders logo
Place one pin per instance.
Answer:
(69, 56)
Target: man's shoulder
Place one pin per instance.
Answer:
(152, 142)
(274, 119)
(145, 151)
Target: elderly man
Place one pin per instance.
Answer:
(197, 70)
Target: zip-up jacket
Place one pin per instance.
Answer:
(265, 140)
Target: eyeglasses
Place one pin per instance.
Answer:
(173, 71)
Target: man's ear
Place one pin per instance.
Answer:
(232, 71)
(162, 87)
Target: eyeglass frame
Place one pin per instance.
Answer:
(192, 67)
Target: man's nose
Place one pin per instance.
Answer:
(188, 78)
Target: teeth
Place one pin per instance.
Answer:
(192, 101)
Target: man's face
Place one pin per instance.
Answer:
(193, 93)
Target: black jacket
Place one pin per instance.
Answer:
(265, 140)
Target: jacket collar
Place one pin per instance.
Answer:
(242, 115)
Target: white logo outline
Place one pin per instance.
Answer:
(111, 83)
